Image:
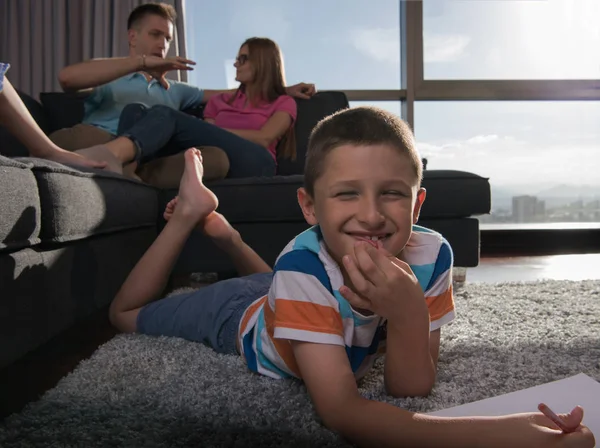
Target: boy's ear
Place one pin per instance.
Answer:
(307, 204)
(421, 194)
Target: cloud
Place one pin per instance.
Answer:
(508, 161)
(381, 44)
(479, 139)
(444, 47)
(249, 19)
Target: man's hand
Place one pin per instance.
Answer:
(158, 67)
(383, 284)
(301, 90)
(158, 64)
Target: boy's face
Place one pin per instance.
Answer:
(365, 192)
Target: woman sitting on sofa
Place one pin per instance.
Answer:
(247, 124)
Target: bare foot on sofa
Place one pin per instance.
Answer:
(100, 153)
(195, 201)
(70, 158)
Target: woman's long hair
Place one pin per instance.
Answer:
(269, 76)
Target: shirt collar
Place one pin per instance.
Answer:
(152, 81)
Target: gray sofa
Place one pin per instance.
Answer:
(69, 237)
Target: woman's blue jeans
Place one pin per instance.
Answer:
(161, 131)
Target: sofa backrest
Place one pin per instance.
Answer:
(63, 110)
(310, 112)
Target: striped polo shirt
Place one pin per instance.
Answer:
(304, 304)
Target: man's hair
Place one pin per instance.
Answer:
(358, 126)
(158, 9)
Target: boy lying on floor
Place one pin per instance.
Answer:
(362, 281)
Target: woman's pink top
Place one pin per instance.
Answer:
(242, 115)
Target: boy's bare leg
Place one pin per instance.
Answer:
(148, 278)
(244, 258)
(19, 122)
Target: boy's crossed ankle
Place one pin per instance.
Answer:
(195, 201)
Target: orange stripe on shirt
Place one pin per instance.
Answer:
(307, 316)
(283, 346)
(250, 312)
(440, 305)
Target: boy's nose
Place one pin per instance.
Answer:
(370, 214)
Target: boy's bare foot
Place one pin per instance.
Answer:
(215, 225)
(219, 230)
(195, 201)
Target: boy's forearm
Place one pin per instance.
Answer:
(95, 72)
(245, 259)
(150, 275)
(371, 423)
(409, 369)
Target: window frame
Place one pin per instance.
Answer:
(414, 87)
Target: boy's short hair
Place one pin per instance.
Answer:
(158, 9)
(363, 125)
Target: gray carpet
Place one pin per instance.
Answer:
(139, 391)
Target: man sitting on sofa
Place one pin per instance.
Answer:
(110, 84)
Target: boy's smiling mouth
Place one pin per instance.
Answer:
(375, 239)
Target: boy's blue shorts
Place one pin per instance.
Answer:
(210, 315)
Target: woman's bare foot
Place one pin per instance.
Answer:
(195, 201)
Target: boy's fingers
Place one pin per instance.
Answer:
(573, 419)
(361, 284)
(365, 256)
(565, 422)
(354, 299)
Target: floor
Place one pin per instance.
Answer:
(39, 371)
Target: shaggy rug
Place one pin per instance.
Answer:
(140, 391)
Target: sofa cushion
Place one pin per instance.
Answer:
(9, 145)
(64, 110)
(310, 112)
(450, 194)
(20, 223)
(455, 194)
(77, 203)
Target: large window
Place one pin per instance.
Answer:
(337, 44)
(505, 89)
(499, 39)
(542, 158)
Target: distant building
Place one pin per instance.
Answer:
(528, 209)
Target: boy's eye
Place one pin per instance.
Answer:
(345, 194)
(393, 193)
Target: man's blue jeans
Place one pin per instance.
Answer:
(161, 131)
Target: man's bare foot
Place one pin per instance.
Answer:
(195, 201)
(100, 153)
(129, 170)
(70, 158)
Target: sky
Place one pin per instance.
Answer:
(355, 44)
